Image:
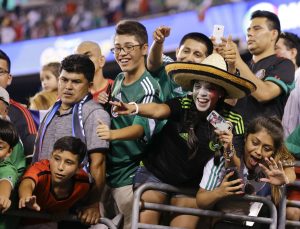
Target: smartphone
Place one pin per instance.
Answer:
(235, 175)
(218, 121)
(218, 32)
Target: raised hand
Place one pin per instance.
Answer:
(103, 98)
(161, 33)
(29, 202)
(219, 48)
(121, 108)
(225, 137)
(274, 172)
(230, 54)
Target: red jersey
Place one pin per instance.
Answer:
(96, 94)
(40, 173)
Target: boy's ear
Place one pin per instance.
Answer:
(177, 50)
(9, 79)
(145, 49)
(102, 61)
(9, 152)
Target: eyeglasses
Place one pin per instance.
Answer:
(2, 72)
(127, 49)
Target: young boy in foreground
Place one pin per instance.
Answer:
(55, 185)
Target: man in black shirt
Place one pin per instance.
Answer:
(272, 75)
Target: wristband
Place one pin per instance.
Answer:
(136, 108)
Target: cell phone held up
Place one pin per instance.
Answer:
(218, 121)
(218, 33)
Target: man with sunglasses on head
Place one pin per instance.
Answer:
(134, 84)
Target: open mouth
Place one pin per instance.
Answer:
(202, 101)
(254, 161)
(124, 61)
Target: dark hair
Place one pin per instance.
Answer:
(273, 127)
(4, 56)
(291, 41)
(272, 20)
(79, 63)
(200, 37)
(53, 67)
(72, 144)
(191, 122)
(133, 28)
(8, 133)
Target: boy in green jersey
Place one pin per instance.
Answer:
(134, 84)
(193, 48)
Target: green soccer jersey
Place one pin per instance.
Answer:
(169, 88)
(18, 159)
(125, 156)
(12, 169)
(8, 172)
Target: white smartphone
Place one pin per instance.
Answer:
(218, 32)
(218, 121)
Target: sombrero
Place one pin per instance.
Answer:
(213, 69)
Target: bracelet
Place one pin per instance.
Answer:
(136, 108)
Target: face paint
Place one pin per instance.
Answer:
(205, 95)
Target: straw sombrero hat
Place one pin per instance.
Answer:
(213, 69)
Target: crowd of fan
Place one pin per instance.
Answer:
(64, 17)
(158, 121)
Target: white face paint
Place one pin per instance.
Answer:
(206, 95)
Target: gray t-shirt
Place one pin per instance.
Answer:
(61, 125)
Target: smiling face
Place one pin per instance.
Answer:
(72, 87)
(191, 51)
(206, 95)
(257, 147)
(130, 61)
(48, 80)
(63, 166)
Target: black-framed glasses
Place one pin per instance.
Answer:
(126, 49)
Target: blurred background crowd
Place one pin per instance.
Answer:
(22, 20)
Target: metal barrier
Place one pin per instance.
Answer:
(192, 211)
(112, 224)
(282, 222)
